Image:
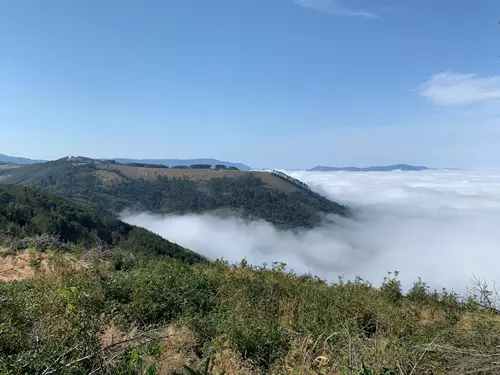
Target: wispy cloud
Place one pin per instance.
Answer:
(334, 8)
(448, 88)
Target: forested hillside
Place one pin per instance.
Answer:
(113, 188)
(27, 212)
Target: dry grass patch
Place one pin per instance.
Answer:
(227, 361)
(8, 166)
(30, 263)
(110, 336)
(108, 176)
(177, 351)
(18, 266)
(276, 182)
(308, 356)
(153, 173)
(429, 317)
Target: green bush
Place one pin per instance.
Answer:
(270, 320)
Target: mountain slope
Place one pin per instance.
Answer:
(29, 212)
(387, 168)
(183, 162)
(113, 188)
(17, 160)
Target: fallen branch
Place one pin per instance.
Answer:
(484, 369)
(423, 354)
(493, 309)
(90, 356)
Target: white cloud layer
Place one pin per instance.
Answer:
(448, 88)
(334, 8)
(441, 226)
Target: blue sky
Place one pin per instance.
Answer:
(271, 83)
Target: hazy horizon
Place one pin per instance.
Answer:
(269, 166)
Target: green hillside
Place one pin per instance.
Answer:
(112, 188)
(26, 212)
(162, 314)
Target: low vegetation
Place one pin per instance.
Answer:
(129, 314)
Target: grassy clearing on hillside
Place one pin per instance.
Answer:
(8, 166)
(153, 173)
(131, 315)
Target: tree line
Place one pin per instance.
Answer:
(27, 212)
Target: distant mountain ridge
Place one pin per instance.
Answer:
(18, 160)
(386, 168)
(6, 159)
(183, 162)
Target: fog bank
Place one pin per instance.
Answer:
(438, 225)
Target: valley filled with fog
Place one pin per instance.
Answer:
(438, 225)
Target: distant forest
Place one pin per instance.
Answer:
(192, 166)
(246, 193)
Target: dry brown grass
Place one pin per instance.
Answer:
(152, 173)
(429, 317)
(177, 351)
(276, 182)
(108, 176)
(289, 310)
(468, 322)
(30, 264)
(308, 356)
(486, 325)
(110, 335)
(228, 362)
(8, 166)
(191, 174)
(16, 266)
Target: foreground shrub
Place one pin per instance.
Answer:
(137, 315)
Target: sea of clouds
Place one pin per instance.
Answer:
(443, 226)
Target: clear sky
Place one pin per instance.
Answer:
(271, 83)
